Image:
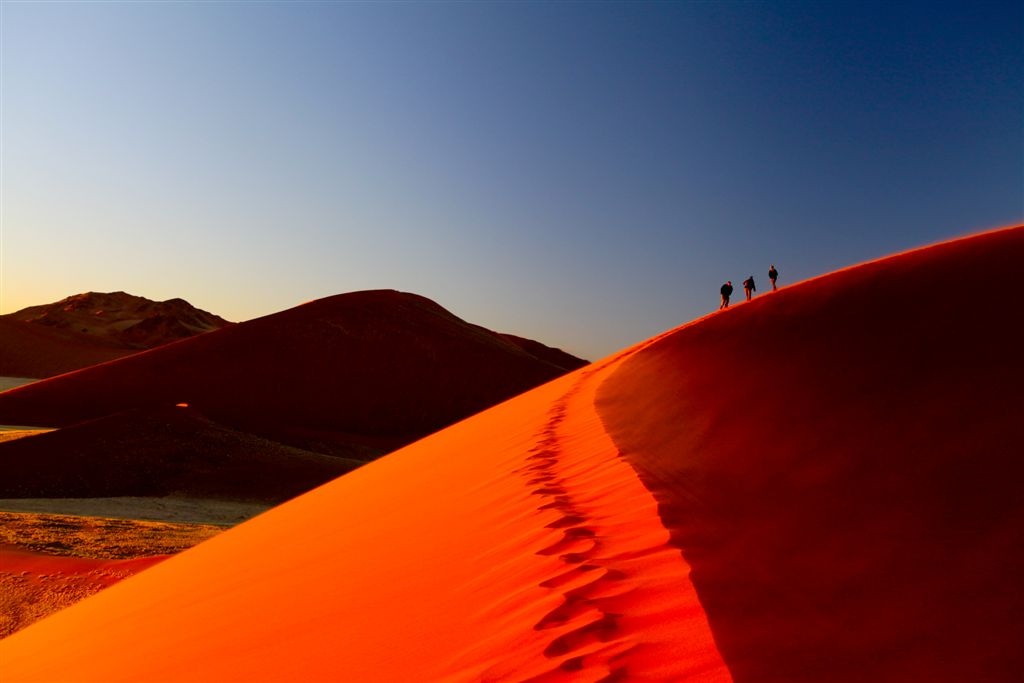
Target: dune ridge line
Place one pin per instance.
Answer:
(553, 563)
(625, 608)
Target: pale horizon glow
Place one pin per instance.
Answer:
(586, 175)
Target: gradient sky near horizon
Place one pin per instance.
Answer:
(586, 174)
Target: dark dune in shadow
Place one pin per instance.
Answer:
(28, 350)
(355, 374)
(160, 452)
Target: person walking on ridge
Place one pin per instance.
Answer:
(748, 286)
(726, 291)
(773, 275)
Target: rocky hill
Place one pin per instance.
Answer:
(128, 320)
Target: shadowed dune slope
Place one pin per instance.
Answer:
(28, 350)
(556, 357)
(160, 452)
(837, 471)
(375, 364)
(841, 464)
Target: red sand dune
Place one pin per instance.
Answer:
(818, 485)
(841, 463)
(369, 369)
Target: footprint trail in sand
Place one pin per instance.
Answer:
(609, 625)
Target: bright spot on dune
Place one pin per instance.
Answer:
(181, 405)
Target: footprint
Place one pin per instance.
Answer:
(569, 576)
(568, 520)
(572, 542)
(600, 630)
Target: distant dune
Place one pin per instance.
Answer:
(93, 327)
(355, 374)
(820, 485)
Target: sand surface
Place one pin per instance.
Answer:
(840, 463)
(56, 533)
(51, 561)
(513, 546)
(34, 586)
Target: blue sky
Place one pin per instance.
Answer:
(586, 174)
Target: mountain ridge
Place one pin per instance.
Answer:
(131, 320)
(93, 327)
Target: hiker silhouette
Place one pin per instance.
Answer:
(773, 275)
(748, 286)
(726, 291)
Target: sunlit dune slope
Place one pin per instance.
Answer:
(514, 545)
(380, 367)
(160, 452)
(841, 464)
(836, 470)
